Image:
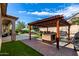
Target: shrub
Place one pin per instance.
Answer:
(24, 31)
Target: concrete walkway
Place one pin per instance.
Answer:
(18, 37)
(49, 50)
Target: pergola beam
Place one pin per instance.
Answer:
(47, 19)
(51, 23)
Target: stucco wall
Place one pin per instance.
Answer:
(73, 29)
(53, 29)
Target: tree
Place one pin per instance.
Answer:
(75, 21)
(20, 25)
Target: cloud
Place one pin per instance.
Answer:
(39, 18)
(21, 11)
(68, 11)
(40, 13)
(46, 9)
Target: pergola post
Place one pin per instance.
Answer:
(30, 32)
(69, 33)
(13, 35)
(58, 33)
(0, 29)
(47, 29)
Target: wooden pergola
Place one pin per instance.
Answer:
(54, 21)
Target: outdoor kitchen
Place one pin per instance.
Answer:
(48, 37)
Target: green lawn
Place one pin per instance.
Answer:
(17, 48)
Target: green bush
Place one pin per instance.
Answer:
(25, 31)
(17, 31)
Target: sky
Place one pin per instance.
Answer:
(29, 12)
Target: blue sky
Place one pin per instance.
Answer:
(29, 12)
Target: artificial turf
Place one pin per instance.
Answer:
(17, 48)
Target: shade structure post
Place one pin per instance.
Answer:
(69, 33)
(58, 33)
(47, 29)
(30, 32)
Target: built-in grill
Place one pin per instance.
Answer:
(48, 37)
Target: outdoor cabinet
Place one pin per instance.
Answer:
(48, 37)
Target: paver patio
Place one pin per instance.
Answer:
(49, 50)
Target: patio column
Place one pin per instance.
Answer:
(30, 32)
(13, 36)
(69, 33)
(58, 34)
(0, 28)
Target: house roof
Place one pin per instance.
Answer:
(70, 19)
(50, 22)
(75, 15)
(4, 11)
(4, 14)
